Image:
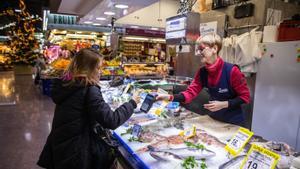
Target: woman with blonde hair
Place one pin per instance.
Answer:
(226, 84)
(73, 142)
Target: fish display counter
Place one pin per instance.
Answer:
(170, 136)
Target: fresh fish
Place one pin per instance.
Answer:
(205, 137)
(176, 140)
(187, 152)
(164, 156)
(233, 163)
(148, 136)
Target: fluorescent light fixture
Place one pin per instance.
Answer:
(136, 38)
(18, 10)
(121, 6)
(78, 32)
(101, 19)
(81, 36)
(159, 40)
(109, 13)
(154, 29)
(96, 24)
(133, 26)
(109, 24)
(88, 22)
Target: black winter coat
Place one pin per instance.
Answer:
(71, 143)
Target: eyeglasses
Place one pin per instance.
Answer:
(201, 48)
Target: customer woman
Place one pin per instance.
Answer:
(226, 84)
(72, 142)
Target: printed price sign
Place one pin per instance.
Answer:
(136, 130)
(238, 141)
(260, 158)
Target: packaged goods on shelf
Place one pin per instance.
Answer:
(142, 69)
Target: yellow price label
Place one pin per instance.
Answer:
(189, 133)
(238, 141)
(260, 158)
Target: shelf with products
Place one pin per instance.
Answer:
(142, 49)
(132, 48)
(145, 69)
(112, 67)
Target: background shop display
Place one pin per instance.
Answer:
(145, 70)
(5, 60)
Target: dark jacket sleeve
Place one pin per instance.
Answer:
(179, 98)
(102, 113)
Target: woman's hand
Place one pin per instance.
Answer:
(136, 97)
(163, 97)
(214, 106)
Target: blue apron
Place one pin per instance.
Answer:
(223, 92)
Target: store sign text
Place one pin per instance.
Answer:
(176, 24)
(62, 19)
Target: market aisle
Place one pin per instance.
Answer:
(25, 125)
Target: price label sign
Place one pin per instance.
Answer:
(136, 130)
(260, 158)
(238, 141)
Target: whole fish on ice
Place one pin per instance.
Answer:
(233, 163)
(183, 153)
(164, 156)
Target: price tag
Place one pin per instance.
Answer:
(136, 130)
(260, 158)
(238, 141)
(127, 88)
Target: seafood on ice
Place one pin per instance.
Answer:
(235, 162)
(176, 141)
(186, 152)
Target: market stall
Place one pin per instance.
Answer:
(5, 61)
(170, 136)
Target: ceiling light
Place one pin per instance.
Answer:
(18, 10)
(109, 24)
(121, 6)
(101, 19)
(154, 29)
(78, 32)
(159, 40)
(96, 24)
(81, 36)
(88, 22)
(135, 38)
(109, 13)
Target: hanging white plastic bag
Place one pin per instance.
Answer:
(247, 50)
(227, 52)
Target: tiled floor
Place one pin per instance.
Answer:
(24, 126)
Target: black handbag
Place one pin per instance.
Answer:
(106, 136)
